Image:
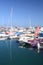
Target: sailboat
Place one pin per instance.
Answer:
(11, 31)
(30, 37)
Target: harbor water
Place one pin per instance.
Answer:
(13, 54)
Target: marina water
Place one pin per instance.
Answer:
(12, 54)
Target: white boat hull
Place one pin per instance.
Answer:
(2, 38)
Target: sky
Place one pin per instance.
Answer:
(24, 13)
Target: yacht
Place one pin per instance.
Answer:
(3, 36)
(30, 38)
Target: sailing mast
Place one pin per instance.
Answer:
(11, 18)
(30, 24)
(30, 27)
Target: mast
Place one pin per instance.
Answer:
(11, 19)
(11, 16)
(30, 24)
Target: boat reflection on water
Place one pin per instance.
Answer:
(29, 47)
